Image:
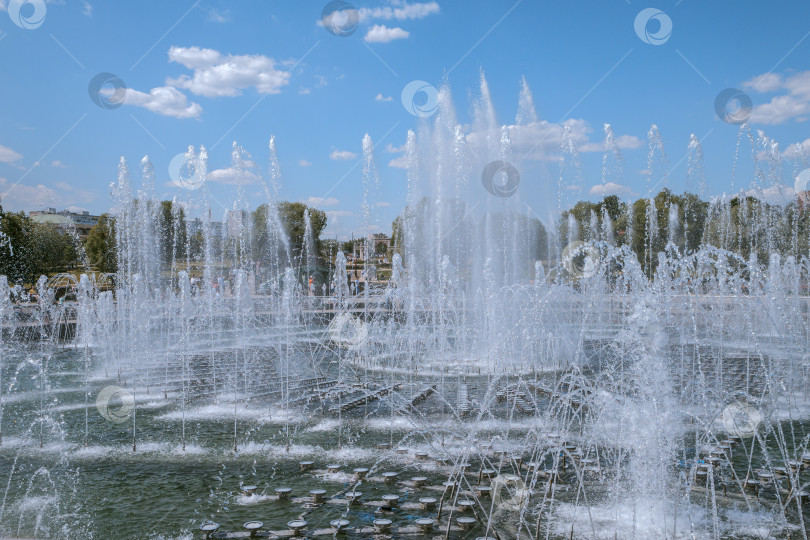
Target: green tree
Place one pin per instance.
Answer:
(15, 260)
(291, 215)
(171, 230)
(100, 245)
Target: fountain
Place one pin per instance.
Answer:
(514, 378)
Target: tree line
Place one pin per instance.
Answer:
(29, 249)
(744, 225)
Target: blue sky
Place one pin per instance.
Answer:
(213, 72)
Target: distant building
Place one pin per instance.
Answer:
(196, 225)
(378, 241)
(82, 222)
(804, 200)
(236, 222)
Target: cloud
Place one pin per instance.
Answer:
(7, 155)
(233, 176)
(399, 163)
(792, 148)
(610, 188)
(401, 11)
(383, 204)
(218, 75)
(625, 142)
(338, 213)
(304, 163)
(304, 91)
(59, 195)
(793, 103)
(775, 195)
(342, 155)
(164, 100)
(380, 97)
(391, 149)
(87, 9)
(58, 164)
(379, 33)
(540, 140)
(321, 202)
(767, 82)
(214, 15)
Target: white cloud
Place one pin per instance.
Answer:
(321, 202)
(391, 149)
(793, 103)
(540, 140)
(401, 11)
(380, 97)
(792, 148)
(164, 100)
(87, 9)
(610, 188)
(342, 155)
(304, 91)
(399, 163)
(379, 33)
(7, 155)
(59, 195)
(338, 213)
(775, 195)
(58, 164)
(625, 142)
(214, 15)
(231, 175)
(383, 204)
(767, 82)
(217, 75)
(304, 163)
